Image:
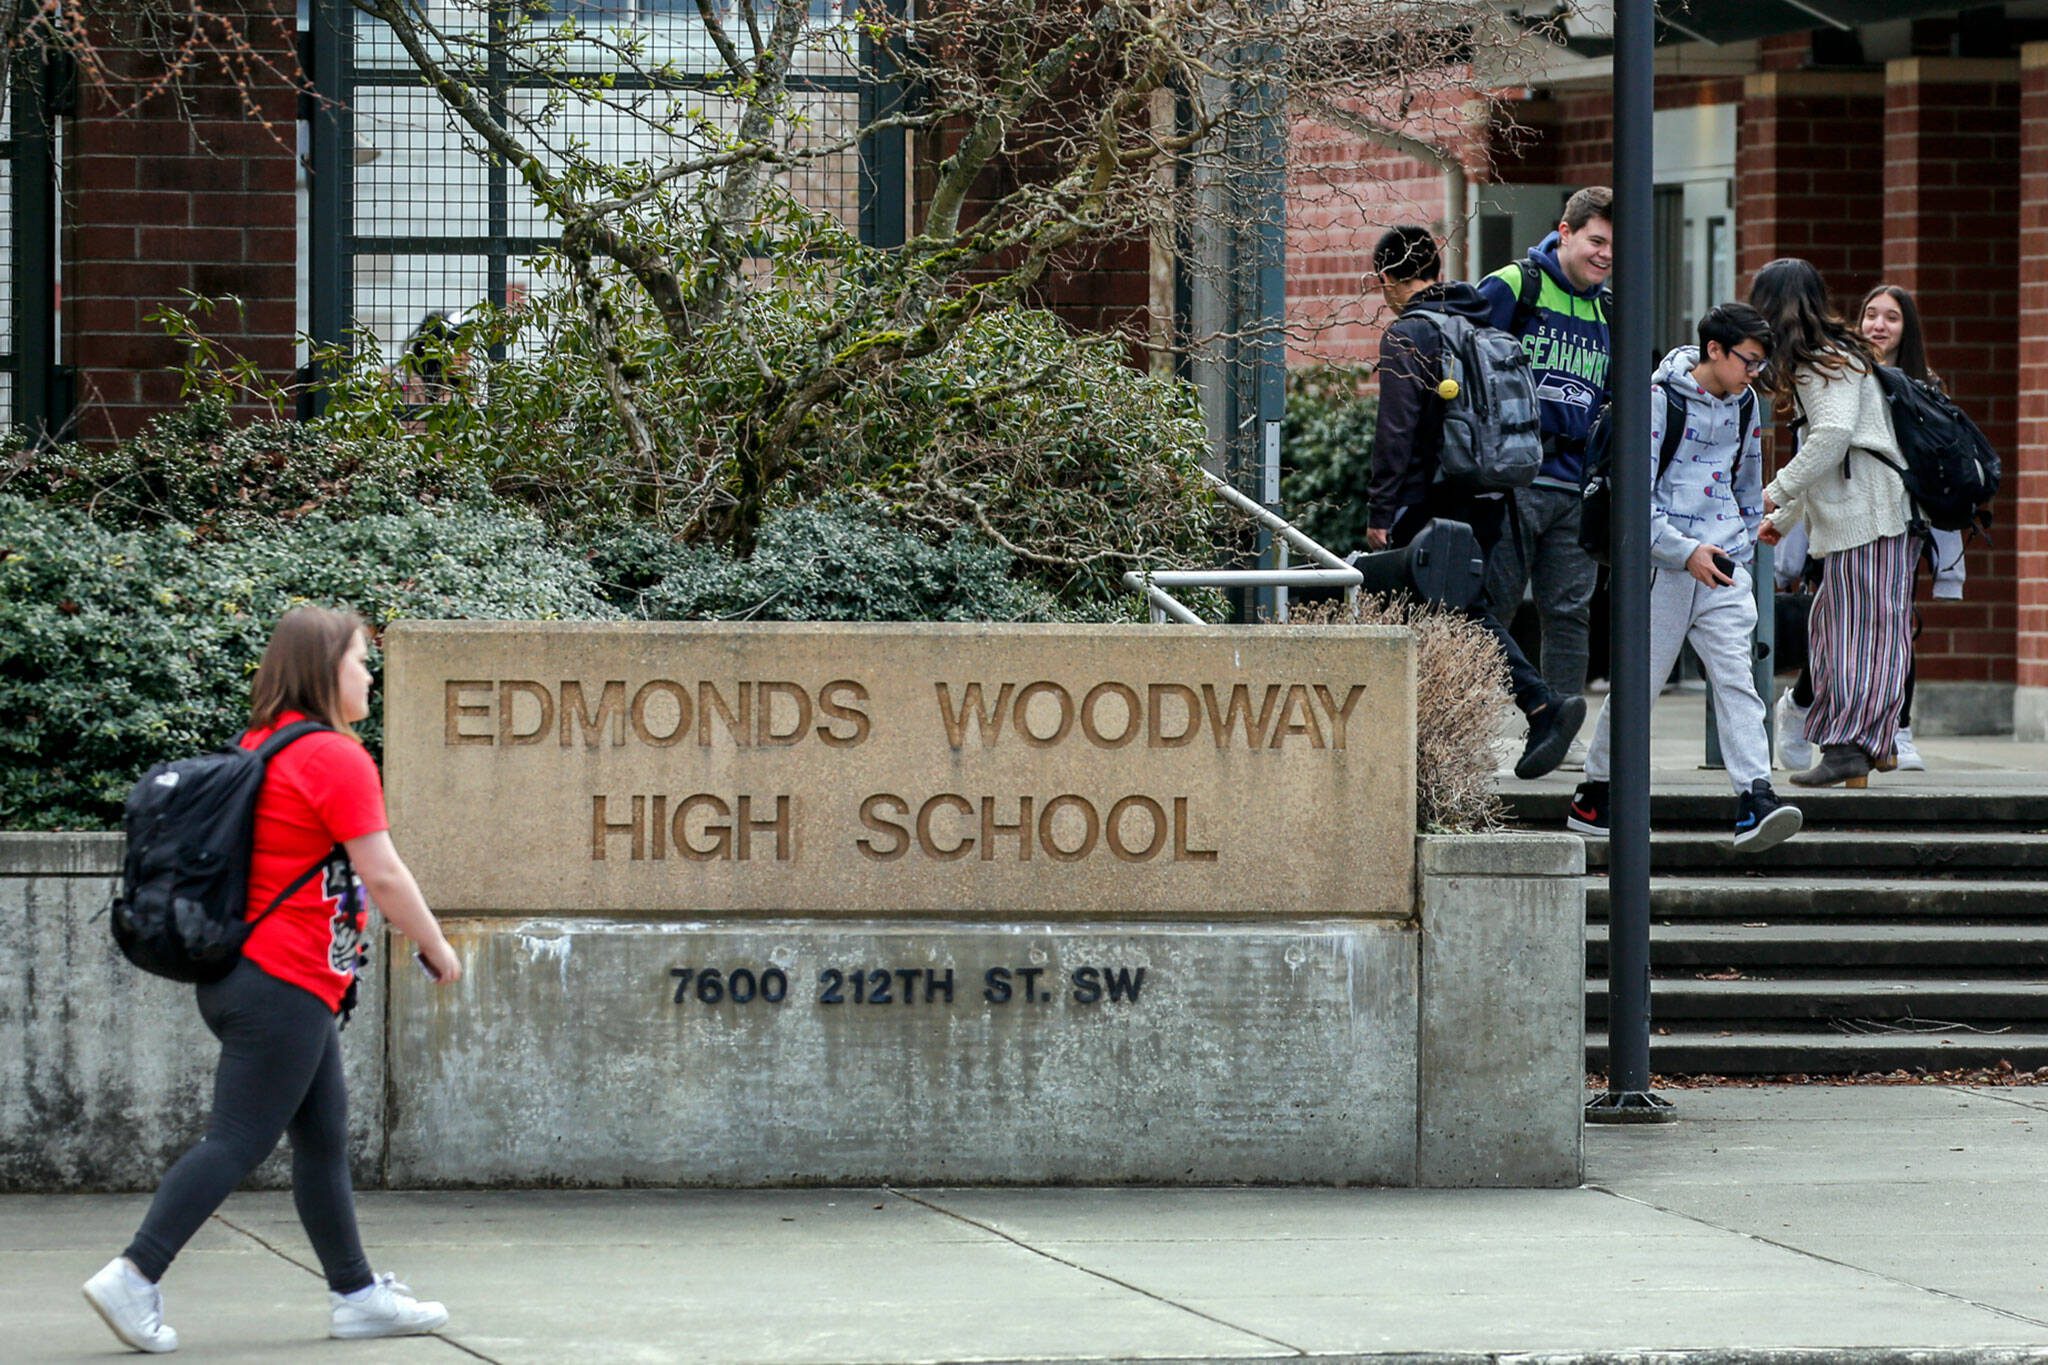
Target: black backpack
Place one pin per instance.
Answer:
(185, 881)
(1596, 487)
(1949, 469)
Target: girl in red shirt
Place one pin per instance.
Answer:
(275, 1014)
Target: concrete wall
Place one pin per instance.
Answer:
(106, 1072)
(1443, 1050)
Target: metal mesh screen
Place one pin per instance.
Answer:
(432, 226)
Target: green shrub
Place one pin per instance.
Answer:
(1327, 441)
(194, 466)
(837, 563)
(119, 649)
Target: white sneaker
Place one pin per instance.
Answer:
(1574, 759)
(1908, 756)
(131, 1306)
(386, 1309)
(1795, 751)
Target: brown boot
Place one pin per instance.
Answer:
(1845, 764)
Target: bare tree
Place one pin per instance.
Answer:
(1046, 129)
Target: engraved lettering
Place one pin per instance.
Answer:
(578, 722)
(747, 827)
(1223, 720)
(1091, 826)
(1133, 715)
(715, 829)
(677, 696)
(738, 723)
(871, 816)
(1183, 852)
(1156, 736)
(765, 711)
(930, 847)
(1340, 717)
(601, 829)
(840, 713)
(508, 712)
(1297, 705)
(1021, 716)
(988, 721)
(1112, 829)
(455, 711)
(991, 827)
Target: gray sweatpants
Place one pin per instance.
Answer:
(1546, 559)
(1721, 623)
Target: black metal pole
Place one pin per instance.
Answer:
(329, 229)
(34, 208)
(1628, 1098)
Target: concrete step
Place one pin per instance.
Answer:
(1710, 1052)
(1977, 1000)
(1843, 946)
(1979, 853)
(1828, 808)
(1773, 898)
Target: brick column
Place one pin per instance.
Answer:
(1804, 185)
(2024, 498)
(162, 199)
(1951, 220)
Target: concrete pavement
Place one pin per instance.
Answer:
(1887, 1223)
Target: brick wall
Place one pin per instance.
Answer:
(1805, 148)
(1951, 220)
(159, 200)
(1342, 194)
(2025, 495)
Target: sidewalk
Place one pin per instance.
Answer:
(1678, 727)
(1811, 1219)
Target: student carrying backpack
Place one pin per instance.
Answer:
(1596, 494)
(185, 879)
(1949, 468)
(1493, 437)
(213, 834)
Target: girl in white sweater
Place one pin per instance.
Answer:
(1855, 512)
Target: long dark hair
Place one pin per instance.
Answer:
(1806, 333)
(301, 668)
(1911, 355)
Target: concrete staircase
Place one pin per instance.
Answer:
(1901, 929)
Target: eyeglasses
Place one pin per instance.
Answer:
(1757, 366)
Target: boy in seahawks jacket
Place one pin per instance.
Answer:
(1705, 507)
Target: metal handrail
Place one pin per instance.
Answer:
(1334, 573)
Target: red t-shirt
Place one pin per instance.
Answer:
(320, 792)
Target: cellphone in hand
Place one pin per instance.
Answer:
(425, 966)
(1724, 564)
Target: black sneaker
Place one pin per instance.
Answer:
(1763, 821)
(1551, 732)
(1588, 811)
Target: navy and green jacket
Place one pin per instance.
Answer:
(1567, 340)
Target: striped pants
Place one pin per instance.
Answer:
(1860, 639)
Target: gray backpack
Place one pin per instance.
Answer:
(1493, 436)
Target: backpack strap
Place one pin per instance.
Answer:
(1746, 415)
(281, 897)
(1526, 293)
(283, 739)
(1674, 431)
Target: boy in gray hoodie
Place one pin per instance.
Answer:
(1705, 507)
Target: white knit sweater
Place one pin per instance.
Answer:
(1845, 497)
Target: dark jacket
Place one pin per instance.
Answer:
(1410, 428)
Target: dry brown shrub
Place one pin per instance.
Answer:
(1461, 685)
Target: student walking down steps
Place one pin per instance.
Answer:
(1705, 506)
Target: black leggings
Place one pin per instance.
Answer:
(280, 1073)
